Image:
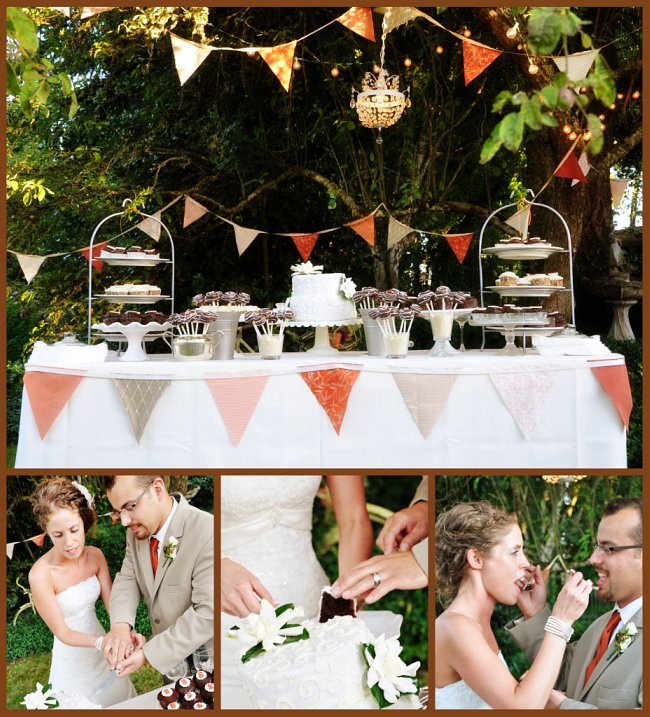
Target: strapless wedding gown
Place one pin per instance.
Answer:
(83, 670)
(460, 696)
(266, 524)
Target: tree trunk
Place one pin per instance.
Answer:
(178, 484)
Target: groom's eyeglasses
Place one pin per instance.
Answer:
(129, 507)
(611, 549)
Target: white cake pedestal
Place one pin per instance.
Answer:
(322, 344)
(134, 334)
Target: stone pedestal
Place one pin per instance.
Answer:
(620, 328)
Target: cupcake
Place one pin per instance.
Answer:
(200, 706)
(202, 678)
(556, 279)
(173, 706)
(539, 280)
(508, 278)
(166, 696)
(189, 700)
(184, 685)
(207, 693)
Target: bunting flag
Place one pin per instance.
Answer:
(30, 265)
(244, 237)
(396, 16)
(396, 231)
(90, 11)
(48, 394)
(359, 20)
(583, 162)
(570, 169)
(139, 398)
(193, 211)
(459, 244)
(150, 226)
(425, 396)
(10, 550)
(305, 244)
(188, 56)
(476, 58)
(524, 395)
(577, 65)
(236, 399)
(280, 60)
(39, 540)
(618, 187)
(520, 219)
(331, 388)
(616, 382)
(365, 228)
(97, 250)
(63, 10)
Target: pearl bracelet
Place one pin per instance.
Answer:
(559, 628)
(99, 642)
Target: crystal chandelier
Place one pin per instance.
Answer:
(380, 103)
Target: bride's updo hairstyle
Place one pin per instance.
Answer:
(477, 525)
(54, 493)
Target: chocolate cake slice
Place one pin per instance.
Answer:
(331, 606)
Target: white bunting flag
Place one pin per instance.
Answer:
(520, 220)
(193, 211)
(90, 11)
(577, 65)
(30, 265)
(10, 550)
(150, 226)
(618, 189)
(244, 237)
(397, 231)
(188, 56)
(396, 16)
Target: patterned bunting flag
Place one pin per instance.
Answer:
(519, 219)
(359, 20)
(39, 540)
(396, 16)
(577, 65)
(48, 394)
(616, 382)
(459, 244)
(30, 265)
(570, 169)
(583, 162)
(280, 60)
(476, 58)
(524, 395)
(425, 396)
(305, 244)
(618, 187)
(236, 399)
(396, 231)
(139, 398)
(97, 250)
(188, 56)
(193, 211)
(365, 228)
(244, 237)
(150, 226)
(332, 388)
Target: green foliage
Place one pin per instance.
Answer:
(547, 26)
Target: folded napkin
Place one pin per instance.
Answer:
(62, 355)
(570, 346)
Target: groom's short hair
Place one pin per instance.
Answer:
(617, 504)
(142, 481)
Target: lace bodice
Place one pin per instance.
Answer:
(77, 604)
(460, 696)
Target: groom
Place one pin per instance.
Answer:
(169, 563)
(596, 674)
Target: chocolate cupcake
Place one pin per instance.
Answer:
(202, 678)
(189, 700)
(166, 696)
(207, 693)
(173, 706)
(200, 706)
(184, 685)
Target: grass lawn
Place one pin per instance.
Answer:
(22, 676)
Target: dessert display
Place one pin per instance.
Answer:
(137, 317)
(223, 301)
(509, 278)
(192, 342)
(507, 314)
(193, 322)
(132, 252)
(263, 321)
(523, 241)
(317, 297)
(195, 692)
(395, 324)
(133, 290)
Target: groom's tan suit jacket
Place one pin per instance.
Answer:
(180, 599)
(421, 550)
(617, 681)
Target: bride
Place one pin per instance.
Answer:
(480, 561)
(65, 584)
(267, 552)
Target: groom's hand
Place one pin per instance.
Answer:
(530, 602)
(117, 643)
(405, 528)
(241, 591)
(132, 663)
(398, 571)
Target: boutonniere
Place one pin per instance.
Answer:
(624, 639)
(171, 548)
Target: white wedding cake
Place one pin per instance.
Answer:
(325, 671)
(317, 297)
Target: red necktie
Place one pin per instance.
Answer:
(603, 643)
(153, 545)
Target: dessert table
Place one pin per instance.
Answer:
(146, 701)
(476, 409)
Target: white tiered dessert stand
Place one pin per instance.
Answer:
(321, 340)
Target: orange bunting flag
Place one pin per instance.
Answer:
(97, 250)
(570, 169)
(193, 211)
(459, 244)
(616, 382)
(280, 60)
(332, 388)
(305, 244)
(476, 58)
(359, 20)
(365, 228)
(38, 539)
(114, 518)
(48, 394)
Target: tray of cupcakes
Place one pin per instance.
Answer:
(523, 248)
(115, 324)
(535, 285)
(189, 693)
(131, 256)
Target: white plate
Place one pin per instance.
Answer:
(528, 331)
(457, 312)
(113, 328)
(526, 290)
(133, 261)
(523, 251)
(132, 298)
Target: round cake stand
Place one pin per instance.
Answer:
(134, 334)
(322, 344)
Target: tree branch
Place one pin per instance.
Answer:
(620, 150)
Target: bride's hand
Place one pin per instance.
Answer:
(532, 601)
(573, 599)
(241, 591)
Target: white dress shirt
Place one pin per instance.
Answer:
(626, 615)
(161, 533)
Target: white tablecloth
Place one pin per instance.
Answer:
(147, 701)
(578, 426)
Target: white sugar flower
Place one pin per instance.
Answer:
(389, 671)
(267, 627)
(306, 268)
(40, 700)
(630, 628)
(347, 288)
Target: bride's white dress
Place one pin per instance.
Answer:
(266, 524)
(460, 696)
(83, 670)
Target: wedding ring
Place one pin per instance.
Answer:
(375, 580)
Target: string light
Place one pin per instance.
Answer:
(520, 46)
(407, 62)
(512, 32)
(601, 118)
(572, 136)
(586, 136)
(251, 52)
(533, 69)
(296, 65)
(566, 129)
(620, 96)
(467, 32)
(612, 106)
(334, 71)
(375, 69)
(439, 50)
(602, 126)
(636, 94)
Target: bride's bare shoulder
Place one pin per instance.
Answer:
(40, 570)
(452, 625)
